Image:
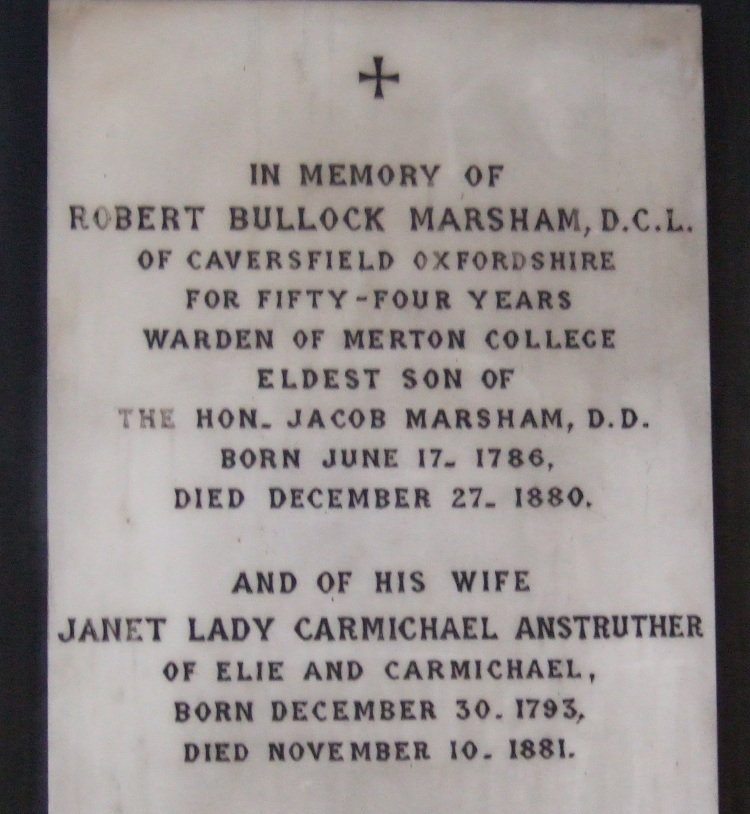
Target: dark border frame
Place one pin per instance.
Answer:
(726, 59)
(23, 417)
(23, 556)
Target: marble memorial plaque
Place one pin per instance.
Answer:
(379, 442)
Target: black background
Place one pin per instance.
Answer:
(23, 596)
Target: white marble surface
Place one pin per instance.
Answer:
(569, 113)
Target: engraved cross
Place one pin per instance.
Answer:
(379, 77)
